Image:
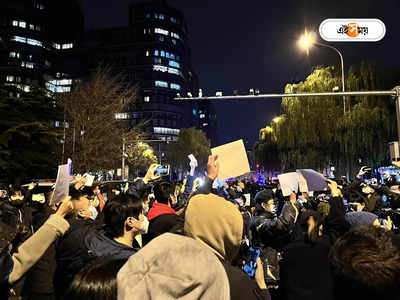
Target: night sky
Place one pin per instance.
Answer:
(252, 44)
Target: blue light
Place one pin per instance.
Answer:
(194, 111)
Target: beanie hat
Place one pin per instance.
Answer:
(358, 218)
(264, 196)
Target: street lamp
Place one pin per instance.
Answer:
(307, 40)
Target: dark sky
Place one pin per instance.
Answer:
(252, 44)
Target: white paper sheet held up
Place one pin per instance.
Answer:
(232, 159)
(289, 182)
(62, 184)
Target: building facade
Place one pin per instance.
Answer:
(36, 39)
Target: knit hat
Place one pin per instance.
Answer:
(264, 196)
(358, 218)
(173, 267)
(216, 223)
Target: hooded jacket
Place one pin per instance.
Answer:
(218, 224)
(173, 267)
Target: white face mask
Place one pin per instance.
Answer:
(145, 226)
(94, 212)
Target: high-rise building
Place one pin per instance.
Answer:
(36, 41)
(153, 52)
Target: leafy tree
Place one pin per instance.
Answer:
(314, 132)
(29, 140)
(140, 156)
(95, 113)
(190, 141)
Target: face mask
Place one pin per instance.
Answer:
(272, 208)
(145, 226)
(94, 212)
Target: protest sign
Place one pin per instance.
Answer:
(232, 159)
(62, 184)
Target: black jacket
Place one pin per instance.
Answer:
(162, 224)
(242, 286)
(268, 230)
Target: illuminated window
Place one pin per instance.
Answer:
(160, 68)
(174, 20)
(205, 124)
(18, 79)
(31, 27)
(22, 24)
(25, 40)
(155, 52)
(39, 5)
(175, 35)
(162, 53)
(147, 53)
(162, 83)
(173, 41)
(147, 99)
(175, 64)
(56, 46)
(38, 28)
(14, 23)
(27, 64)
(67, 46)
(164, 130)
(157, 60)
(202, 116)
(10, 78)
(161, 31)
(13, 54)
(175, 86)
(122, 116)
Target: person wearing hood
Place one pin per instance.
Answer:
(162, 217)
(170, 267)
(218, 225)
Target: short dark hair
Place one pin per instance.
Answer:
(118, 209)
(97, 280)
(366, 264)
(74, 193)
(162, 191)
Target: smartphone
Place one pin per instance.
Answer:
(251, 261)
(162, 170)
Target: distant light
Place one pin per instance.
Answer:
(194, 111)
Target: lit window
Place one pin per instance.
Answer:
(160, 68)
(161, 31)
(173, 20)
(15, 23)
(164, 130)
(147, 99)
(175, 35)
(31, 27)
(202, 116)
(175, 64)
(205, 124)
(147, 15)
(147, 53)
(162, 53)
(171, 55)
(13, 54)
(57, 124)
(157, 60)
(162, 84)
(144, 31)
(18, 79)
(67, 46)
(28, 65)
(10, 78)
(38, 28)
(47, 63)
(175, 86)
(27, 88)
(122, 116)
(174, 71)
(56, 46)
(155, 52)
(34, 42)
(30, 56)
(173, 41)
(22, 24)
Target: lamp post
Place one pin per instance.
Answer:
(307, 40)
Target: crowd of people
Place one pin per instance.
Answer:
(158, 239)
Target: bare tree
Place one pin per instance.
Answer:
(96, 112)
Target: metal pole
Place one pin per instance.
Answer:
(123, 159)
(397, 89)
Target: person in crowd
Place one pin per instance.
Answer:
(366, 264)
(97, 280)
(14, 265)
(270, 232)
(218, 224)
(162, 217)
(172, 266)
